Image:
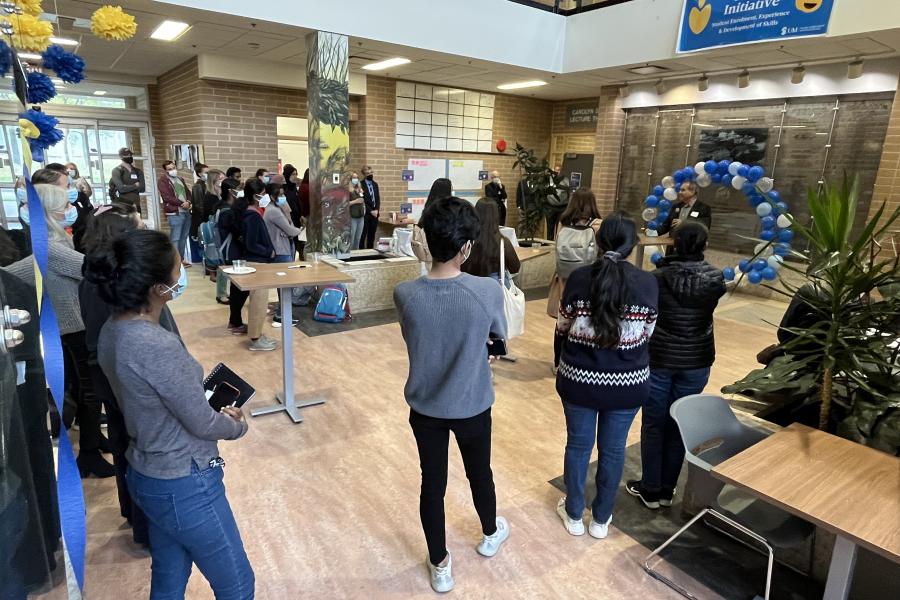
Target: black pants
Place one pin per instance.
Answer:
(236, 300)
(502, 208)
(473, 436)
(553, 215)
(370, 230)
(88, 405)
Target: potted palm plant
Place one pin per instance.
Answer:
(540, 184)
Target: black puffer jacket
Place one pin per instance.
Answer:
(689, 291)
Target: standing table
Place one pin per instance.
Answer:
(282, 277)
(844, 487)
(643, 242)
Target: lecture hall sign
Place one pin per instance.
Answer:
(716, 23)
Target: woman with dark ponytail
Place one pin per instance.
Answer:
(606, 317)
(175, 474)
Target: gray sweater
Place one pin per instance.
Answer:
(281, 230)
(446, 323)
(160, 392)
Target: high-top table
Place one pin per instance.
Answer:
(646, 240)
(844, 487)
(283, 278)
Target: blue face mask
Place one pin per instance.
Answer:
(266, 179)
(21, 195)
(73, 195)
(282, 200)
(178, 289)
(70, 217)
(24, 216)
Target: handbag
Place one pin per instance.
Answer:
(513, 301)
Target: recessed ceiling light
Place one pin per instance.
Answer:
(169, 30)
(520, 85)
(63, 41)
(647, 70)
(29, 56)
(386, 64)
(100, 93)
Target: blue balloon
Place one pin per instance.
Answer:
(755, 173)
(658, 190)
(651, 201)
(723, 166)
(717, 178)
(689, 172)
(767, 222)
(767, 234)
(662, 216)
(656, 258)
(653, 225)
(664, 205)
(726, 180)
(785, 235)
(748, 189)
(711, 166)
(756, 200)
(744, 266)
(679, 176)
(774, 196)
(769, 274)
(754, 276)
(743, 170)
(781, 208)
(759, 264)
(782, 249)
(728, 273)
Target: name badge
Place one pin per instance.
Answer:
(134, 175)
(695, 214)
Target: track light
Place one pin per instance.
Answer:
(798, 74)
(623, 91)
(661, 87)
(744, 79)
(855, 69)
(703, 83)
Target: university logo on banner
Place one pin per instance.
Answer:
(716, 23)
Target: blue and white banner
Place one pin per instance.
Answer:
(716, 23)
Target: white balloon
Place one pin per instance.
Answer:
(700, 167)
(704, 180)
(764, 209)
(775, 261)
(670, 194)
(763, 249)
(649, 214)
(738, 182)
(733, 168)
(783, 222)
(765, 184)
(668, 181)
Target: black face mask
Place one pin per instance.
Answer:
(128, 159)
(370, 177)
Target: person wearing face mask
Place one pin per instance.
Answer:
(372, 197)
(77, 196)
(256, 248)
(174, 463)
(496, 191)
(263, 176)
(281, 233)
(199, 199)
(357, 212)
(447, 319)
(231, 184)
(174, 193)
(126, 182)
(77, 181)
(61, 283)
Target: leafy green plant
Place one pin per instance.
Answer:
(538, 178)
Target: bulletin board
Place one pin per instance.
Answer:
(425, 171)
(464, 174)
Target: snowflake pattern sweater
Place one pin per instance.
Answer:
(605, 378)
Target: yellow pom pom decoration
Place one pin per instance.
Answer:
(31, 7)
(30, 33)
(112, 23)
(27, 129)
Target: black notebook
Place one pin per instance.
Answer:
(224, 388)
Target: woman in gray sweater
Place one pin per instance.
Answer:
(175, 473)
(281, 232)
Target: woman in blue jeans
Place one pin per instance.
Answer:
(681, 355)
(175, 473)
(606, 317)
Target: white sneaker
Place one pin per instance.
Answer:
(441, 577)
(573, 526)
(491, 543)
(263, 344)
(599, 530)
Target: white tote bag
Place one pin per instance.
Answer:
(513, 300)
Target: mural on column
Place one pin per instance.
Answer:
(328, 91)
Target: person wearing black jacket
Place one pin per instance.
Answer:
(372, 197)
(292, 193)
(256, 247)
(232, 182)
(682, 352)
(496, 191)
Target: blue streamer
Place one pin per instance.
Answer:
(68, 480)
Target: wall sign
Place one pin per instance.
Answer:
(581, 116)
(408, 175)
(483, 176)
(715, 23)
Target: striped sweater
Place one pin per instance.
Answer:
(605, 378)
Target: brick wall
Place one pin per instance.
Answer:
(887, 182)
(608, 148)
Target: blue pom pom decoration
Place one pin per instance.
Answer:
(40, 88)
(68, 66)
(46, 124)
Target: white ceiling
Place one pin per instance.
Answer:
(234, 36)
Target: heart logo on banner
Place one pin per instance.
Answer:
(699, 16)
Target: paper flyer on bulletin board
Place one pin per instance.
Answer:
(464, 174)
(425, 171)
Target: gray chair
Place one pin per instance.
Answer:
(711, 434)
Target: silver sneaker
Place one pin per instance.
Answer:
(573, 526)
(263, 344)
(441, 577)
(491, 543)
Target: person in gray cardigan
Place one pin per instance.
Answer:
(175, 473)
(281, 231)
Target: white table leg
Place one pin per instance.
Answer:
(285, 400)
(840, 572)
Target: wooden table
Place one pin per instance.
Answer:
(403, 223)
(843, 487)
(643, 242)
(529, 253)
(283, 278)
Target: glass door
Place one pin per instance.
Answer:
(115, 135)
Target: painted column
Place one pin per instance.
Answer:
(328, 99)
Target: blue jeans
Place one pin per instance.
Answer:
(610, 429)
(356, 231)
(191, 523)
(662, 451)
(179, 225)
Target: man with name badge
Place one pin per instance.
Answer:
(496, 191)
(126, 183)
(687, 208)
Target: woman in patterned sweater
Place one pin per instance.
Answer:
(606, 317)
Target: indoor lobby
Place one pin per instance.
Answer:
(373, 141)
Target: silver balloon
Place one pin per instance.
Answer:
(765, 184)
(763, 249)
(733, 168)
(775, 261)
(700, 168)
(649, 214)
(704, 180)
(668, 181)
(670, 194)
(738, 182)
(783, 222)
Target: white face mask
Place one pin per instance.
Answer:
(172, 173)
(467, 254)
(497, 180)
(264, 201)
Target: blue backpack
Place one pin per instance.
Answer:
(333, 305)
(212, 245)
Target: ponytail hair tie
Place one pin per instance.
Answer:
(613, 256)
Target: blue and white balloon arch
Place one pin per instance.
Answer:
(775, 220)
